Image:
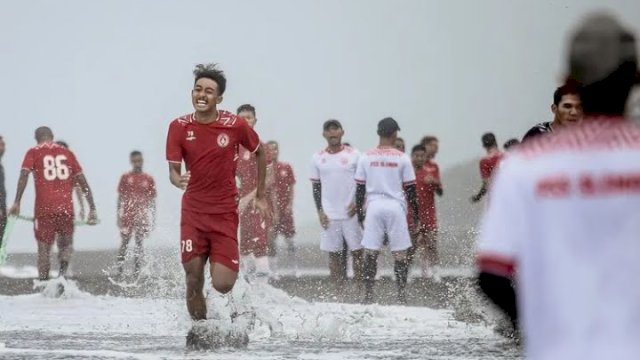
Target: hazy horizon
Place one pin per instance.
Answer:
(108, 77)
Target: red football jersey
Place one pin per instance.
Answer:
(426, 194)
(490, 163)
(209, 152)
(284, 182)
(247, 170)
(137, 191)
(54, 168)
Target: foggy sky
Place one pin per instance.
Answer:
(109, 76)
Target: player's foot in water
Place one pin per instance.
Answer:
(206, 336)
(402, 296)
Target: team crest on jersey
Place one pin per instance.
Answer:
(190, 135)
(223, 140)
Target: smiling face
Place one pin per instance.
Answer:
(204, 96)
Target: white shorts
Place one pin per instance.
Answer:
(331, 239)
(386, 216)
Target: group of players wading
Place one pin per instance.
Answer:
(385, 197)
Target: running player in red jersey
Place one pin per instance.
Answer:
(284, 181)
(55, 173)
(208, 141)
(488, 163)
(136, 205)
(254, 226)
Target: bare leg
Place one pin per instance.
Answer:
(370, 271)
(401, 270)
(44, 260)
(138, 252)
(335, 267)
(65, 250)
(194, 276)
(126, 236)
(358, 264)
(222, 278)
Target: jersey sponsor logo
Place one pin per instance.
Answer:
(130, 180)
(223, 140)
(390, 164)
(190, 135)
(344, 161)
(589, 185)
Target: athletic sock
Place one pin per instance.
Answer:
(401, 270)
(370, 271)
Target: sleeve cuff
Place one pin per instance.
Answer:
(496, 264)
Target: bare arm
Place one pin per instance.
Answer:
(86, 190)
(361, 191)
(176, 177)
(261, 161)
(80, 197)
(22, 185)
(481, 193)
(412, 198)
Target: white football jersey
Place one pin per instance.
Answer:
(385, 171)
(335, 171)
(564, 214)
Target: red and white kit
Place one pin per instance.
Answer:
(335, 172)
(564, 218)
(54, 169)
(283, 185)
(209, 222)
(385, 171)
(137, 192)
(254, 228)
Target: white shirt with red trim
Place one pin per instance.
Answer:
(335, 172)
(385, 171)
(565, 214)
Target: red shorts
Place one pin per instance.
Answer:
(213, 235)
(253, 234)
(140, 225)
(285, 225)
(46, 228)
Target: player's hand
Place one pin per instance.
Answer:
(181, 181)
(324, 219)
(351, 210)
(415, 230)
(475, 199)
(93, 217)
(431, 180)
(14, 210)
(262, 206)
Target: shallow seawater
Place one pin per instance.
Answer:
(80, 325)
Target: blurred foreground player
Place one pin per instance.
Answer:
(55, 172)
(564, 217)
(386, 180)
(207, 141)
(136, 210)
